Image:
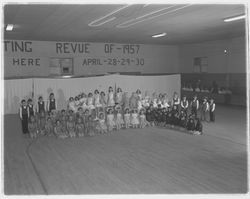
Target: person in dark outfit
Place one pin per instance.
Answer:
(194, 106)
(24, 116)
(191, 123)
(184, 104)
(158, 115)
(198, 127)
(51, 102)
(176, 101)
(150, 116)
(40, 105)
(175, 116)
(169, 119)
(183, 119)
(212, 110)
(31, 107)
(163, 116)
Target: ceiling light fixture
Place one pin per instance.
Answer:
(9, 27)
(159, 35)
(149, 16)
(234, 18)
(99, 22)
(106, 21)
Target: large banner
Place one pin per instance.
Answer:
(24, 58)
(15, 90)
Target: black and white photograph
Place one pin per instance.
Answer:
(124, 99)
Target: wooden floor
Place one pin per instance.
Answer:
(150, 160)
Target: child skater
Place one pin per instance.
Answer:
(125, 101)
(52, 102)
(80, 112)
(176, 101)
(110, 119)
(138, 93)
(71, 126)
(204, 110)
(32, 126)
(133, 101)
(71, 104)
(165, 102)
(184, 104)
(64, 119)
(159, 101)
(198, 127)
(168, 119)
(97, 103)
(77, 104)
(31, 107)
(143, 121)
(118, 97)
(84, 101)
(59, 131)
(103, 100)
(90, 126)
(134, 119)
(119, 119)
(154, 100)
(40, 105)
(163, 117)
(85, 117)
(158, 115)
(49, 128)
(146, 101)
(90, 102)
(127, 118)
(150, 115)
(111, 100)
(53, 116)
(42, 122)
(212, 110)
(79, 127)
(139, 100)
(101, 126)
(175, 116)
(183, 119)
(24, 116)
(194, 106)
(191, 124)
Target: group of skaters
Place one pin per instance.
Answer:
(99, 113)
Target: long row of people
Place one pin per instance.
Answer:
(85, 118)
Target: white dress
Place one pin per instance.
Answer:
(147, 101)
(102, 125)
(111, 101)
(139, 104)
(119, 119)
(97, 101)
(72, 106)
(77, 105)
(155, 103)
(84, 103)
(127, 118)
(134, 119)
(119, 97)
(143, 121)
(90, 103)
(165, 103)
(110, 120)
